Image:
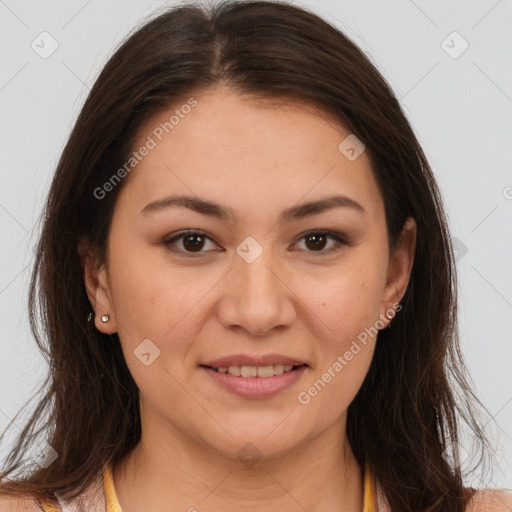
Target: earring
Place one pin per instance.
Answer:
(89, 318)
(390, 317)
(105, 318)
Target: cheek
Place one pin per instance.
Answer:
(150, 296)
(156, 312)
(151, 303)
(344, 311)
(345, 301)
(345, 337)
(345, 316)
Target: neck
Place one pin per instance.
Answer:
(321, 474)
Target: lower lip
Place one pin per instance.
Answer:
(256, 387)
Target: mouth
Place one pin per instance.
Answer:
(262, 372)
(255, 378)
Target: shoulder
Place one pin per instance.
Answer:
(19, 505)
(490, 500)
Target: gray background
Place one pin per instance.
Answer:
(459, 104)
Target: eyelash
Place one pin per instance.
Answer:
(330, 234)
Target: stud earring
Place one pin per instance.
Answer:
(390, 317)
(105, 318)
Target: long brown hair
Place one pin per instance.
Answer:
(407, 414)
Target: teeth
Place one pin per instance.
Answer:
(265, 371)
(248, 371)
(255, 371)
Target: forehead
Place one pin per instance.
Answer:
(261, 151)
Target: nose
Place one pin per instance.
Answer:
(256, 297)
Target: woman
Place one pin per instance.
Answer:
(246, 284)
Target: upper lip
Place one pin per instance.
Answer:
(247, 360)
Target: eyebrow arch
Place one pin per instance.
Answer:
(213, 209)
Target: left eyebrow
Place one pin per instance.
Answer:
(213, 209)
(315, 207)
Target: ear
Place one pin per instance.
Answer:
(399, 270)
(97, 287)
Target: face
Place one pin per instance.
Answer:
(240, 276)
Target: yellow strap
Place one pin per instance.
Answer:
(110, 491)
(370, 493)
(49, 507)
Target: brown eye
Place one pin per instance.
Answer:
(193, 242)
(190, 243)
(317, 241)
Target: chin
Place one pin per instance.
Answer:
(258, 440)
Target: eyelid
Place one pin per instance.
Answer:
(338, 237)
(169, 240)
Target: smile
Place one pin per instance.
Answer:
(256, 371)
(255, 382)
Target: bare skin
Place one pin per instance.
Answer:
(301, 298)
